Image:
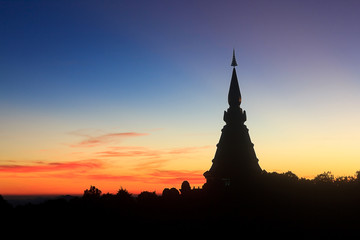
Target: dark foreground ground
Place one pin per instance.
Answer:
(283, 208)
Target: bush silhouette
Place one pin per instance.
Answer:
(185, 187)
(170, 194)
(147, 197)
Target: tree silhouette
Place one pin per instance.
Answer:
(291, 176)
(92, 193)
(123, 194)
(324, 178)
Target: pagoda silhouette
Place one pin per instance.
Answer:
(235, 161)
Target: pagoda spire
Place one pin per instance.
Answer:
(234, 96)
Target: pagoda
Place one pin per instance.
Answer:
(235, 160)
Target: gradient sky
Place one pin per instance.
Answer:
(132, 93)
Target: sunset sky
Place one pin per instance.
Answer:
(131, 93)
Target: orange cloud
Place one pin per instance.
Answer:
(137, 168)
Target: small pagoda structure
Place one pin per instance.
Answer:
(235, 160)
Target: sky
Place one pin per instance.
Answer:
(131, 93)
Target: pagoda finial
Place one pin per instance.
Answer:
(233, 62)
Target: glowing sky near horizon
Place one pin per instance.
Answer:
(132, 93)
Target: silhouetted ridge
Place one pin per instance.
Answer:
(324, 206)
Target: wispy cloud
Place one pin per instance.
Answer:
(164, 177)
(150, 164)
(130, 151)
(187, 150)
(91, 141)
(39, 166)
(137, 151)
(176, 176)
(147, 158)
(112, 177)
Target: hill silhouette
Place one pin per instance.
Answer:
(277, 203)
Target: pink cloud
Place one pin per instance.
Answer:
(91, 141)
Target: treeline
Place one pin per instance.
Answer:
(326, 206)
(323, 178)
